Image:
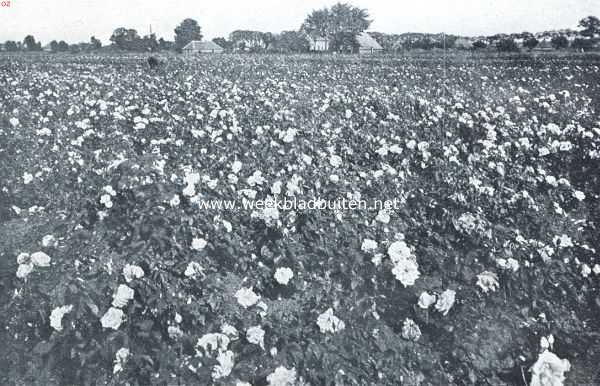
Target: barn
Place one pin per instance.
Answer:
(367, 45)
(199, 47)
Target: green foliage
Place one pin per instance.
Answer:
(531, 43)
(559, 42)
(30, 44)
(476, 150)
(590, 26)
(341, 24)
(188, 30)
(507, 45)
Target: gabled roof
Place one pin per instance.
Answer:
(545, 44)
(197, 45)
(365, 41)
(318, 38)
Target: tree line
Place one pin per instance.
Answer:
(339, 26)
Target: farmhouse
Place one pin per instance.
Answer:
(245, 40)
(463, 44)
(520, 42)
(367, 45)
(544, 45)
(198, 47)
(318, 43)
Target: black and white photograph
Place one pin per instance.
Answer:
(300, 193)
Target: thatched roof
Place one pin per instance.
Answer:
(366, 42)
(197, 45)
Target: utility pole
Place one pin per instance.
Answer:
(444, 38)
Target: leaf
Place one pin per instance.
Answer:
(146, 325)
(93, 307)
(43, 348)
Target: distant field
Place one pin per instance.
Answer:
(493, 160)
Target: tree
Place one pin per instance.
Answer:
(243, 40)
(224, 43)
(267, 38)
(341, 25)
(11, 46)
(30, 44)
(582, 44)
(74, 48)
(165, 45)
(149, 43)
(54, 46)
(291, 42)
(559, 42)
(187, 31)
(423, 43)
(507, 45)
(125, 39)
(531, 43)
(96, 43)
(63, 46)
(479, 45)
(317, 23)
(590, 26)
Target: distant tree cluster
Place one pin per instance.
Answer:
(187, 31)
(338, 25)
(129, 40)
(30, 44)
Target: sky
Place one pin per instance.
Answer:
(77, 20)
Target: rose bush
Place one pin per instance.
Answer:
(494, 243)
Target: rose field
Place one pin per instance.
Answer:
(113, 271)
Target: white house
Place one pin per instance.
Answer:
(318, 43)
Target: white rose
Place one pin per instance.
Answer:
(236, 167)
(24, 270)
(446, 301)
(112, 318)
(328, 322)
(131, 272)
(198, 244)
(224, 366)
(246, 297)
(368, 245)
(256, 335)
(193, 270)
(23, 258)
(49, 241)
(335, 160)
(283, 275)
(123, 295)
(40, 259)
(426, 300)
(282, 377)
(56, 316)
